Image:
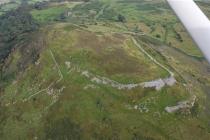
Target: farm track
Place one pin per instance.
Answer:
(47, 88)
(100, 12)
(50, 86)
(152, 58)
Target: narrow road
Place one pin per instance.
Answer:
(153, 59)
(59, 70)
(111, 32)
(100, 12)
(43, 90)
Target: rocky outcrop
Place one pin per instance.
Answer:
(157, 84)
(182, 105)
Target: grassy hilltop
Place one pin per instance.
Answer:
(100, 70)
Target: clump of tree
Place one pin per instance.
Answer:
(179, 37)
(14, 27)
(41, 5)
(158, 36)
(121, 18)
(16, 22)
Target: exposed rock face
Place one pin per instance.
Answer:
(68, 64)
(157, 84)
(182, 105)
(160, 83)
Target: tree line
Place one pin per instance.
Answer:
(14, 25)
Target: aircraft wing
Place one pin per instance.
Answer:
(195, 21)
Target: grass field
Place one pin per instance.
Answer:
(47, 15)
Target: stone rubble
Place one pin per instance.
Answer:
(157, 84)
(181, 105)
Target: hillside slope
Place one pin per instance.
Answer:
(102, 70)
